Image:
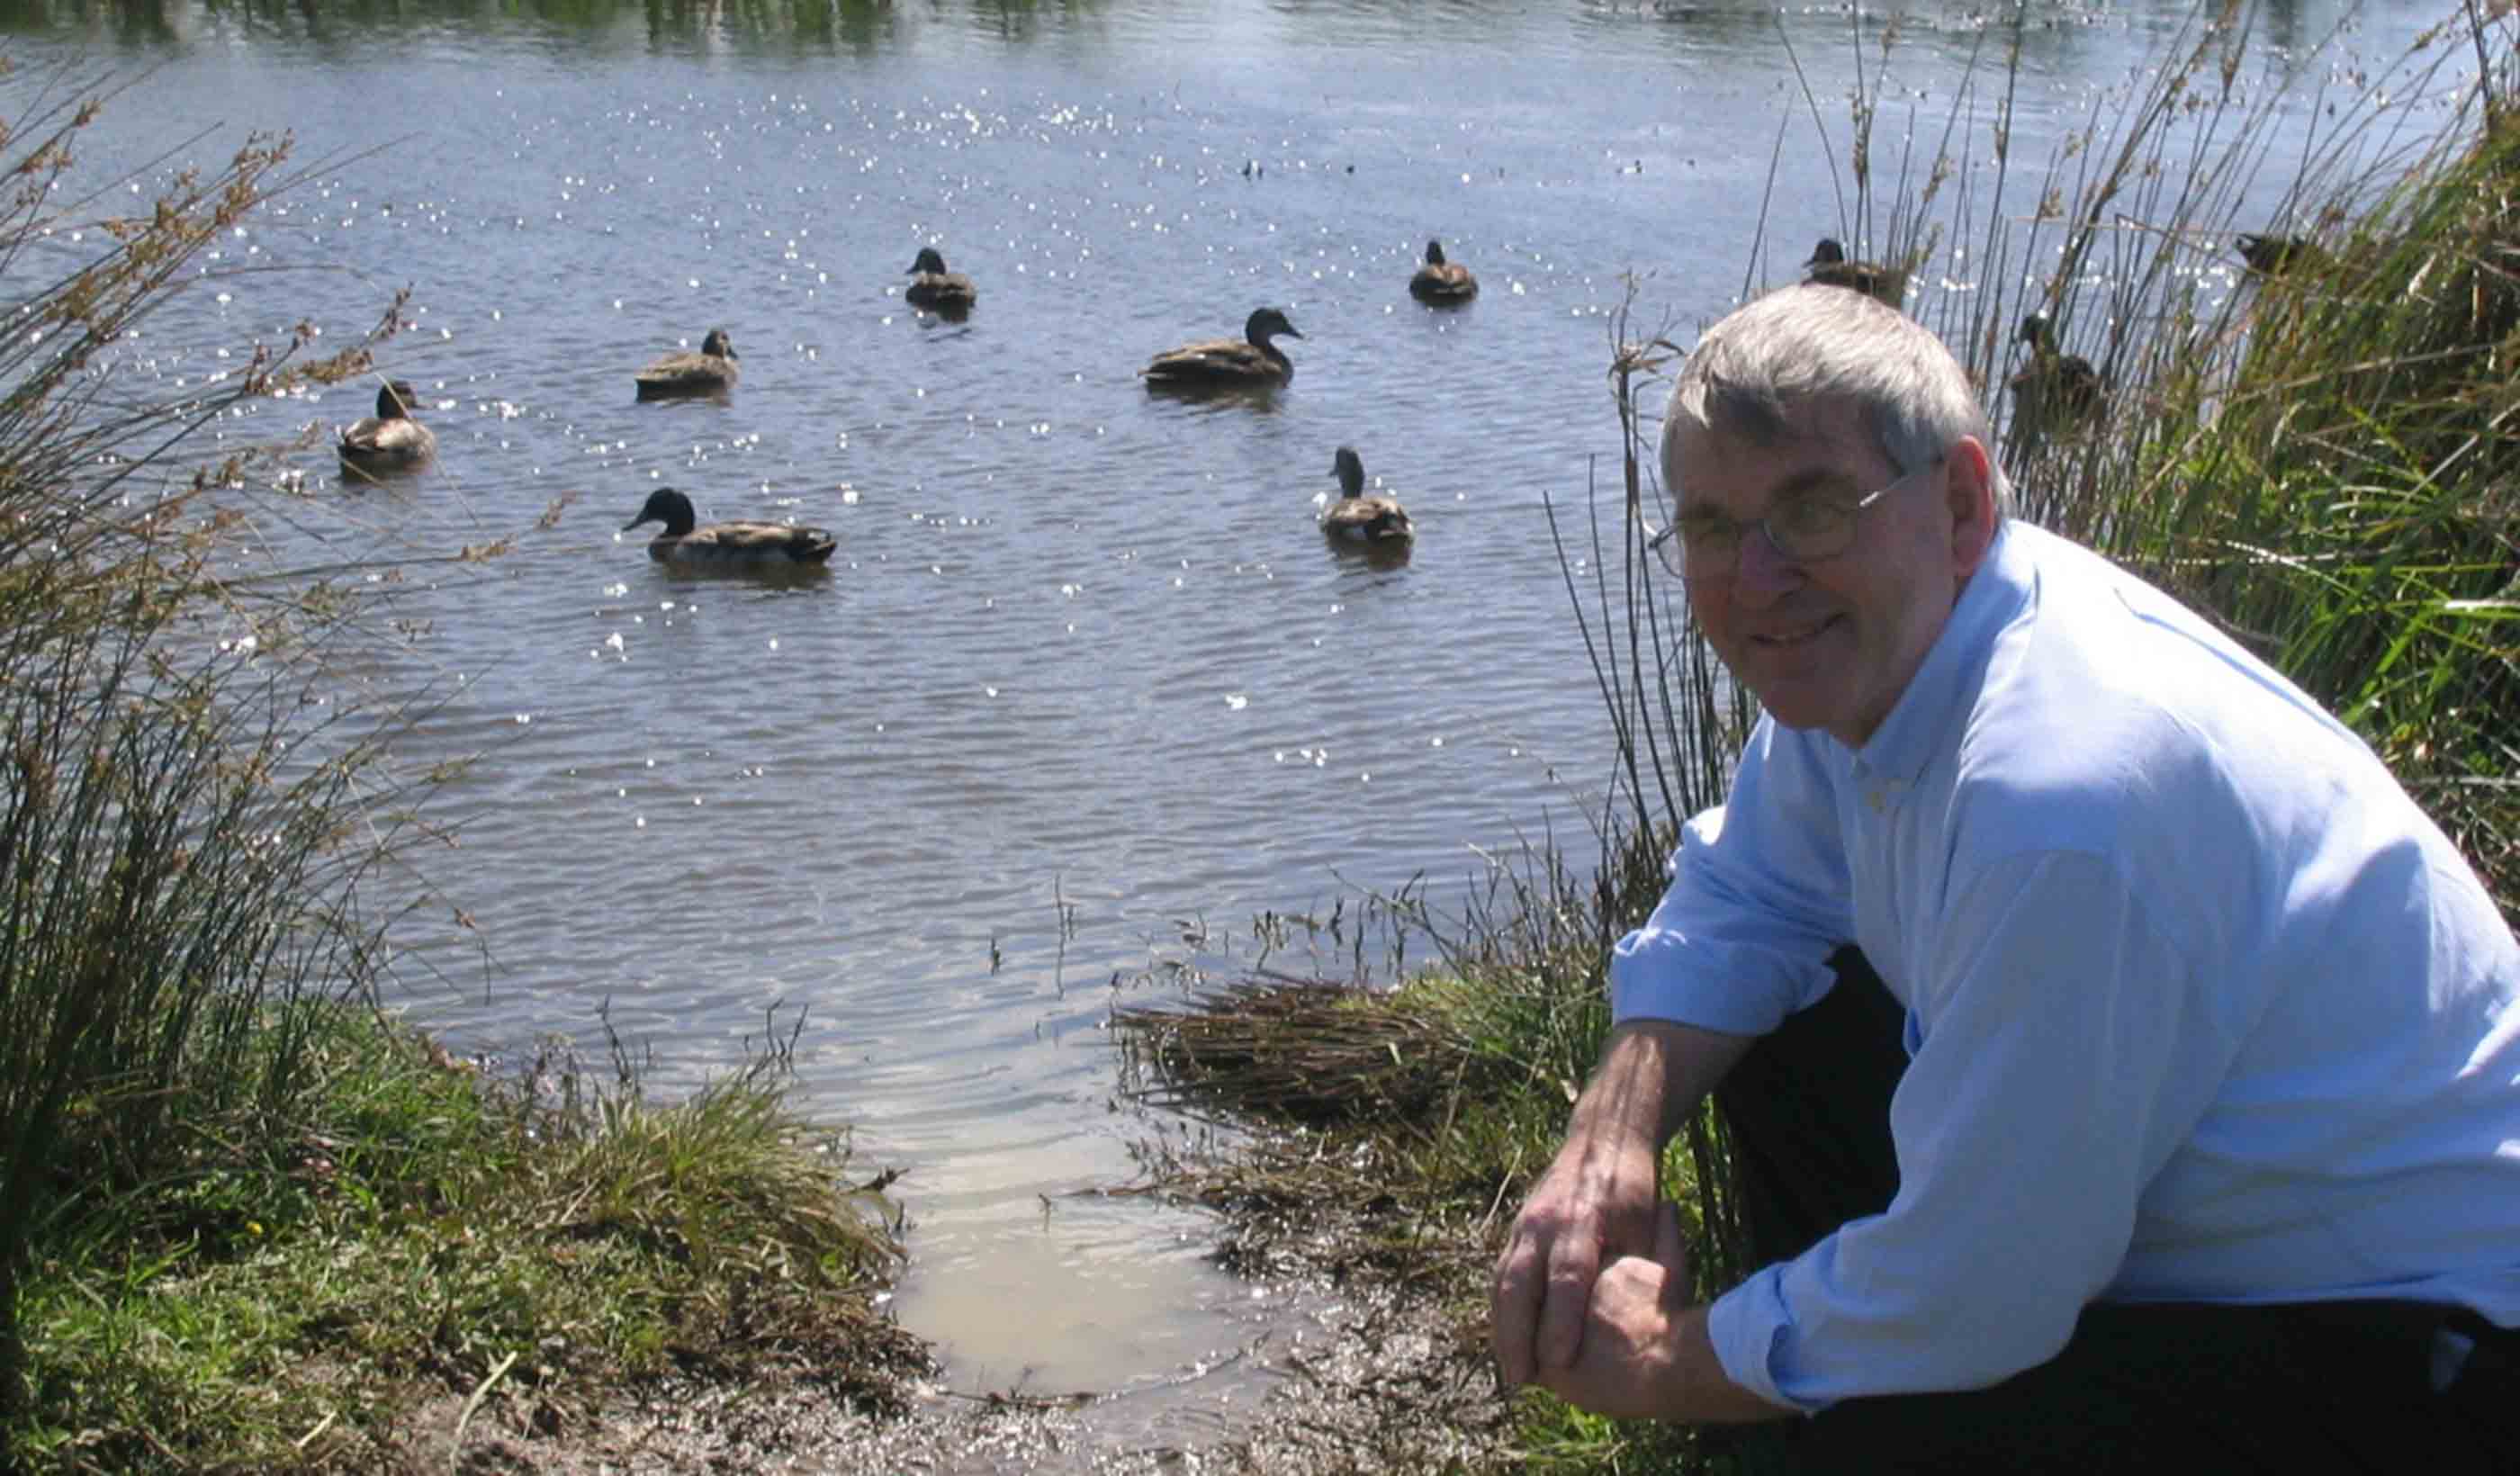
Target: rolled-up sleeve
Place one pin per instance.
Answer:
(1757, 901)
(2065, 1050)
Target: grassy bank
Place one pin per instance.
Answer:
(245, 1221)
(2320, 456)
(431, 1259)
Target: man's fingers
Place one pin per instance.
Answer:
(1573, 1264)
(1544, 1287)
(1516, 1311)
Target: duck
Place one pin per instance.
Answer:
(711, 370)
(2270, 254)
(738, 545)
(2056, 391)
(1440, 282)
(389, 441)
(1228, 363)
(933, 287)
(1828, 266)
(1358, 518)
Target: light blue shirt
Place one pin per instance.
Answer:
(2200, 1006)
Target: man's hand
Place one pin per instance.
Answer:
(1646, 1353)
(1594, 1206)
(1628, 1364)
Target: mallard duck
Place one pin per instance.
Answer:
(2270, 254)
(933, 287)
(389, 441)
(1228, 363)
(1828, 266)
(1356, 517)
(711, 370)
(2057, 390)
(1442, 282)
(727, 545)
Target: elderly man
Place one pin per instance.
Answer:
(2181, 1117)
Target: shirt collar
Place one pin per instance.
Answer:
(1914, 733)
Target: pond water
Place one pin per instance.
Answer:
(1085, 691)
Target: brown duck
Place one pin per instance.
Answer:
(1355, 517)
(1828, 266)
(934, 287)
(389, 441)
(2270, 255)
(1442, 283)
(2056, 391)
(1251, 360)
(712, 371)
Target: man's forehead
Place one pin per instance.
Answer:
(1819, 443)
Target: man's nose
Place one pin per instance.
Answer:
(1764, 573)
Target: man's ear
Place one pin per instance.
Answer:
(1968, 489)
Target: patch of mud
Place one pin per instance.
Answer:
(1349, 1377)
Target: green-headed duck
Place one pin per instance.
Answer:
(733, 545)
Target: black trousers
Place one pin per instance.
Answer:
(2291, 1390)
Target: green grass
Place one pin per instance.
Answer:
(285, 1301)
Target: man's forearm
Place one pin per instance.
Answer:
(1652, 1076)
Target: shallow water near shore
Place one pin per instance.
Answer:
(1084, 691)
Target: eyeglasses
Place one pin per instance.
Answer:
(1801, 529)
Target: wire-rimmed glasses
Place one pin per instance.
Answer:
(1801, 529)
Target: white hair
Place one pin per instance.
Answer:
(1756, 374)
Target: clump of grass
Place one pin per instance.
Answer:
(505, 1252)
(1311, 1052)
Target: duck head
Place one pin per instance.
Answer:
(1829, 252)
(2037, 332)
(1349, 469)
(395, 400)
(1268, 323)
(929, 259)
(668, 507)
(1434, 253)
(718, 343)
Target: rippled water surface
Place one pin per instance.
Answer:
(1085, 691)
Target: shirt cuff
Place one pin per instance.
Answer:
(1661, 975)
(1747, 1326)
